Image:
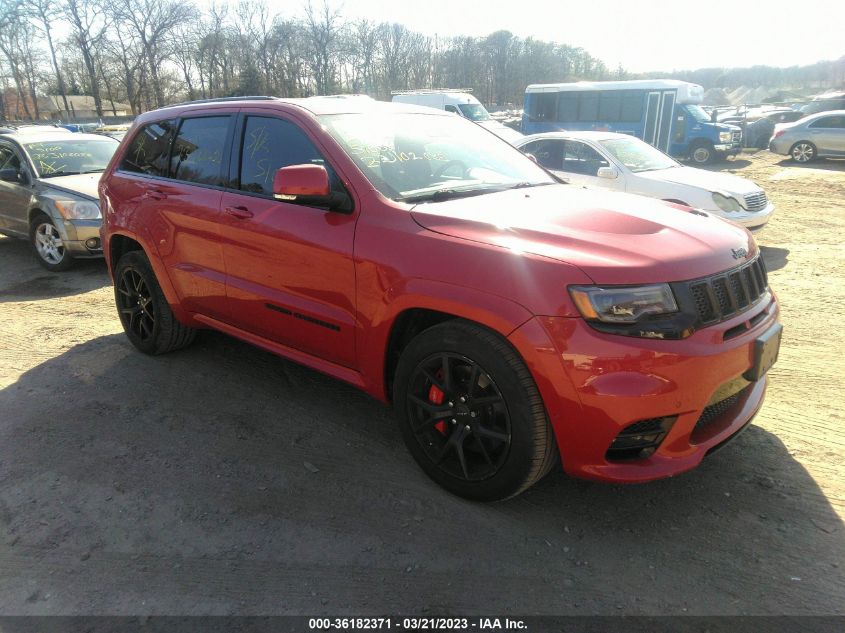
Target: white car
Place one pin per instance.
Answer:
(624, 163)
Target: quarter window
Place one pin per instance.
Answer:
(197, 154)
(149, 150)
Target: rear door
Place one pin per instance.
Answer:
(828, 135)
(173, 173)
(291, 276)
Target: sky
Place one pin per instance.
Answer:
(642, 35)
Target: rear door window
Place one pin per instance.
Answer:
(830, 122)
(197, 154)
(548, 152)
(149, 150)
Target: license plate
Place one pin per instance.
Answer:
(765, 352)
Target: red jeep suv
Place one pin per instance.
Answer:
(512, 320)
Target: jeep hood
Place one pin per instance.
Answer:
(615, 238)
(703, 179)
(82, 185)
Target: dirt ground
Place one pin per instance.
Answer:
(224, 480)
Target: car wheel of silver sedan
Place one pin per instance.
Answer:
(47, 243)
(803, 152)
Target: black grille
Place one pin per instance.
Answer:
(651, 425)
(722, 296)
(737, 137)
(756, 201)
(714, 411)
(640, 439)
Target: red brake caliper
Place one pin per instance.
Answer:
(435, 396)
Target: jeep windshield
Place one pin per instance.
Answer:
(71, 156)
(416, 157)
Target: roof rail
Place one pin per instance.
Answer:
(426, 91)
(225, 99)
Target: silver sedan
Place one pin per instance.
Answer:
(819, 135)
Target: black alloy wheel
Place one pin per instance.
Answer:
(459, 417)
(470, 412)
(135, 304)
(146, 316)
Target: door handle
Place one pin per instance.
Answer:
(154, 194)
(242, 213)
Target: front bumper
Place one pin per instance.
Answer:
(753, 221)
(594, 385)
(82, 237)
(728, 149)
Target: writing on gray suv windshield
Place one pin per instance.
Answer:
(71, 156)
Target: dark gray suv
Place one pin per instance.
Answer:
(48, 192)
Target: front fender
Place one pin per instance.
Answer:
(497, 313)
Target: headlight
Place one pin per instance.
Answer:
(78, 209)
(726, 203)
(623, 304)
(725, 137)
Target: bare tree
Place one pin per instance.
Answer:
(153, 21)
(45, 13)
(11, 23)
(88, 23)
(323, 27)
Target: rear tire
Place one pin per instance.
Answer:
(470, 412)
(803, 152)
(47, 244)
(146, 316)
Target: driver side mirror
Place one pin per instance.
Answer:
(607, 172)
(309, 185)
(10, 174)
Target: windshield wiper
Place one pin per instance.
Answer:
(445, 194)
(53, 174)
(523, 185)
(449, 194)
(93, 171)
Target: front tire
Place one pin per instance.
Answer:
(803, 152)
(470, 412)
(146, 316)
(702, 153)
(47, 244)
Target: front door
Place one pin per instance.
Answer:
(14, 196)
(290, 272)
(580, 164)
